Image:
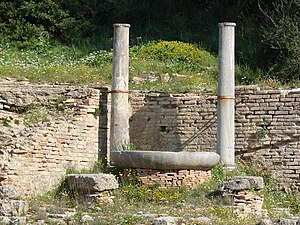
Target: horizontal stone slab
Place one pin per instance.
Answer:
(92, 183)
(164, 160)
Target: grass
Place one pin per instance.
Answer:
(166, 66)
(136, 204)
(187, 67)
(55, 64)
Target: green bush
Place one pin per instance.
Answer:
(33, 23)
(184, 56)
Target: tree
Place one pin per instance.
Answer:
(281, 34)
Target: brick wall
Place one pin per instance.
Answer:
(35, 157)
(170, 178)
(268, 130)
(173, 122)
(267, 123)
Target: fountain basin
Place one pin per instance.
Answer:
(164, 160)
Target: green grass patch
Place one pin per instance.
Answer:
(165, 66)
(189, 67)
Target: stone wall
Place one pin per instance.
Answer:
(267, 123)
(173, 122)
(35, 157)
(268, 130)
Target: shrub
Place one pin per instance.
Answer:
(185, 56)
(33, 23)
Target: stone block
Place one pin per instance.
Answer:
(13, 207)
(92, 183)
(239, 183)
(9, 191)
(256, 182)
(234, 186)
(288, 222)
(12, 220)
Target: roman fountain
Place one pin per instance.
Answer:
(182, 164)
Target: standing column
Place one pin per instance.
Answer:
(225, 130)
(119, 132)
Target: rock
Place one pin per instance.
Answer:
(256, 182)
(13, 207)
(92, 183)
(239, 183)
(41, 222)
(19, 207)
(288, 222)
(234, 185)
(166, 220)
(13, 220)
(9, 191)
(165, 77)
(86, 219)
(150, 215)
(203, 220)
(138, 80)
(265, 222)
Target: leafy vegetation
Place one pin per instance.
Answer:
(267, 38)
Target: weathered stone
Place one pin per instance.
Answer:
(92, 183)
(86, 219)
(239, 183)
(288, 222)
(19, 207)
(138, 80)
(189, 121)
(203, 220)
(41, 222)
(9, 220)
(166, 220)
(165, 77)
(8, 191)
(265, 222)
(234, 185)
(13, 207)
(256, 182)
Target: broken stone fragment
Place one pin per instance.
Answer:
(234, 185)
(20, 220)
(166, 220)
(92, 183)
(239, 183)
(288, 222)
(256, 182)
(9, 191)
(203, 220)
(13, 207)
